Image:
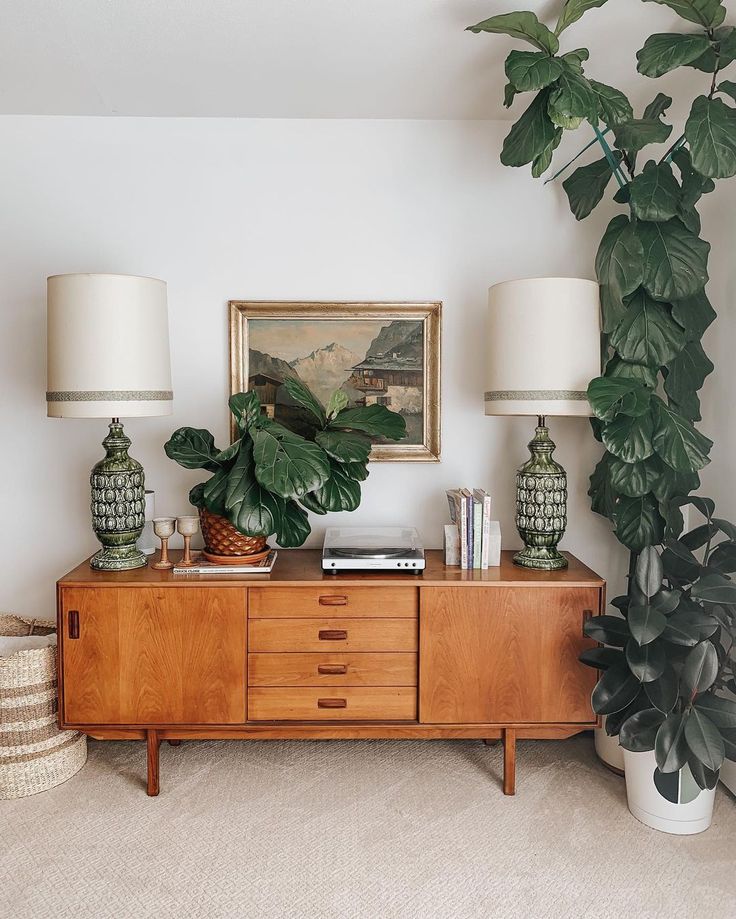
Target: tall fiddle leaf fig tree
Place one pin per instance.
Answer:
(652, 266)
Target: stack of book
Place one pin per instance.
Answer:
(472, 540)
(202, 566)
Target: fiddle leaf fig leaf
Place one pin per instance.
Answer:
(214, 493)
(638, 522)
(522, 25)
(630, 439)
(647, 334)
(573, 10)
(633, 479)
(345, 446)
(655, 194)
(375, 420)
(338, 401)
(728, 87)
(574, 59)
(196, 495)
(531, 70)
(339, 492)
(246, 408)
(675, 260)
(694, 185)
(542, 162)
(694, 314)
(531, 135)
(193, 448)
(677, 441)
(658, 106)
(619, 267)
(251, 508)
(666, 51)
(602, 495)
(710, 131)
(357, 471)
(509, 93)
(686, 374)
(292, 526)
(617, 368)
(586, 186)
(613, 106)
(706, 13)
(636, 133)
(610, 396)
(303, 395)
(670, 746)
(286, 463)
(572, 100)
(638, 732)
(704, 739)
(699, 669)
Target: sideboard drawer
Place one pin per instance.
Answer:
(333, 669)
(334, 703)
(347, 602)
(332, 635)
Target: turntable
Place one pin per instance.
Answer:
(372, 549)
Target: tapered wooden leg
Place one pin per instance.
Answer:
(152, 747)
(509, 761)
(174, 743)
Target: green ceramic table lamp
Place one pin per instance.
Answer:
(543, 349)
(108, 357)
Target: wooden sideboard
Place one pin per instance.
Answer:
(297, 654)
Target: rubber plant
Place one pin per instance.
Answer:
(265, 479)
(652, 266)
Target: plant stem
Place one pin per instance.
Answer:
(577, 156)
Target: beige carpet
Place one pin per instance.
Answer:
(371, 829)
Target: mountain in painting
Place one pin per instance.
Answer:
(325, 369)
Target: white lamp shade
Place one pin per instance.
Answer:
(108, 347)
(543, 346)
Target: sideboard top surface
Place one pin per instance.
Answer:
(303, 566)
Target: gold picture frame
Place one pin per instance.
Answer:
(426, 431)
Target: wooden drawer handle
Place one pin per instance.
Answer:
(587, 614)
(332, 668)
(333, 601)
(333, 634)
(332, 703)
(73, 623)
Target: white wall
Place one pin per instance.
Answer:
(268, 209)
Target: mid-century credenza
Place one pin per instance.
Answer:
(493, 654)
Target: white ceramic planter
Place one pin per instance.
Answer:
(608, 750)
(677, 806)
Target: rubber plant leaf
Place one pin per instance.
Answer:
(638, 733)
(615, 690)
(704, 740)
(670, 746)
(699, 669)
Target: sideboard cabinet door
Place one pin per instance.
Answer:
(505, 655)
(143, 655)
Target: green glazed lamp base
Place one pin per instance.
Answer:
(541, 505)
(118, 504)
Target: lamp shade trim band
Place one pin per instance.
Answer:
(111, 395)
(528, 395)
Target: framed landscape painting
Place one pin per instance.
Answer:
(376, 353)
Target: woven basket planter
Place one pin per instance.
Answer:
(221, 537)
(34, 754)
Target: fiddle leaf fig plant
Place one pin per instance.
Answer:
(263, 482)
(667, 653)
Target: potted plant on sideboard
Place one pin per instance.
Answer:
(262, 483)
(667, 667)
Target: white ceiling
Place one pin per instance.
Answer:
(290, 58)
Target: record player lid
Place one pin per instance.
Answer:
(372, 542)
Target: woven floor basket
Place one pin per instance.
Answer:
(34, 754)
